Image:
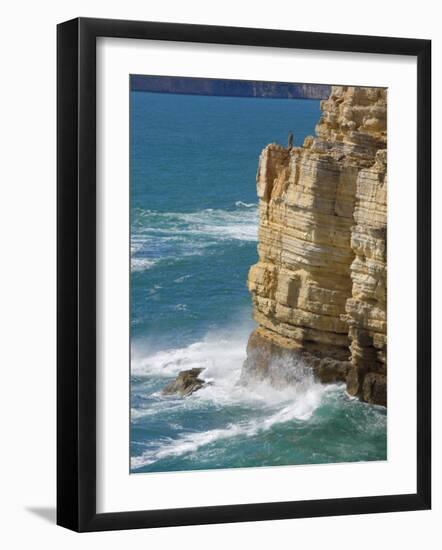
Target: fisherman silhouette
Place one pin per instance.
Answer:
(290, 140)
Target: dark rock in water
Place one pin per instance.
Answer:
(185, 383)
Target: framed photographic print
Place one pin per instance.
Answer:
(225, 198)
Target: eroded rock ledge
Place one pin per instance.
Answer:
(319, 287)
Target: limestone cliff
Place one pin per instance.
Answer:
(319, 287)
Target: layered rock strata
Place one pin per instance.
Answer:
(319, 287)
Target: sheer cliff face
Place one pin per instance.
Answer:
(319, 287)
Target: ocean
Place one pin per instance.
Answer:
(193, 162)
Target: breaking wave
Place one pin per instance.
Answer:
(245, 204)
(221, 356)
(300, 409)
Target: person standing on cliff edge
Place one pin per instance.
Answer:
(290, 140)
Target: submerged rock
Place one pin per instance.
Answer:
(185, 383)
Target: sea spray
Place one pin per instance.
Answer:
(257, 406)
(235, 424)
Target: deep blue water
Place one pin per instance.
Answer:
(193, 240)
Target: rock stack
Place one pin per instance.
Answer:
(319, 287)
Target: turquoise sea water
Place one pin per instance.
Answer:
(193, 239)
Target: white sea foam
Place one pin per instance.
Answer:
(141, 264)
(221, 356)
(220, 353)
(172, 235)
(239, 223)
(300, 408)
(135, 245)
(245, 204)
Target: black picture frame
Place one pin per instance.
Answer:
(76, 274)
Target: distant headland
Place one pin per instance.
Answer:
(225, 87)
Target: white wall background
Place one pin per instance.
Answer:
(27, 275)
